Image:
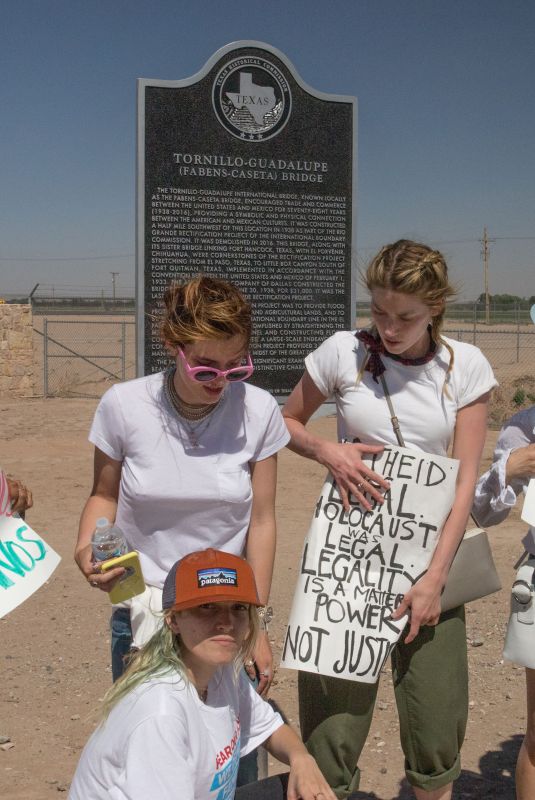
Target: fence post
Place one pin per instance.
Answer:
(123, 351)
(475, 324)
(45, 358)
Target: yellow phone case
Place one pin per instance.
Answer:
(131, 583)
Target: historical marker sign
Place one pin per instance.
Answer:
(246, 173)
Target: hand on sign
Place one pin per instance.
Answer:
(520, 464)
(422, 603)
(352, 475)
(19, 495)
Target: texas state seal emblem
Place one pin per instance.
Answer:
(251, 98)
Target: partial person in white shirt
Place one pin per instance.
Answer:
(513, 466)
(177, 720)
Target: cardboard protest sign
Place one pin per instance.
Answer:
(357, 565)
(26, 561)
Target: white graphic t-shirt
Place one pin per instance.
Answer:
(160, 741)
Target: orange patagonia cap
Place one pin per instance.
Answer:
(209, 576)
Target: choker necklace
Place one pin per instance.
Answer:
(186, 410)
(190, 416)
(376, 349)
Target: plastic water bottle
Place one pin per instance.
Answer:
(107, 541)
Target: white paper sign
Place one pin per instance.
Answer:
(528, 509)
(26, 560)
(357, 565)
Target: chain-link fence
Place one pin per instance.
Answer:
(82, 357)
(510, 349)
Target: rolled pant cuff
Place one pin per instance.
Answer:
(346, 793)
(431, 782)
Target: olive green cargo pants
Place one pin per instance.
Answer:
(430, 677)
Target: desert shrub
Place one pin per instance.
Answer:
(509, 397)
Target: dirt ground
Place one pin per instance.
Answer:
(54, 662)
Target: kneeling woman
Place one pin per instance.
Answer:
(177, 721)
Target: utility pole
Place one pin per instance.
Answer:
(485, 256)
(113, 279)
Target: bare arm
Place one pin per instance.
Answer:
(101, 503)
(306, 780)
(262, 534)
(424, 597)
(260, 552)
(521, 464)
(344, 461)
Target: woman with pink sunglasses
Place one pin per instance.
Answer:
(186, 460)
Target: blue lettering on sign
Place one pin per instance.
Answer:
(18, 558)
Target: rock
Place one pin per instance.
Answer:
(7, 746)
(4, 739)
(75, 716)
(477, 642)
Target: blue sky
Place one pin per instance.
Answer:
(445, 137)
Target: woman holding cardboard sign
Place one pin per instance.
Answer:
(512, 469)
(439, 389)
(189, 450)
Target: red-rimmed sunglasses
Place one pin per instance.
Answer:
(207, 374)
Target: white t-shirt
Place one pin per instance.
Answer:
(160, 742)
(175, 498)
(426, 413)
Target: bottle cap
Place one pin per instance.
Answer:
(102, 523)
(521, 592)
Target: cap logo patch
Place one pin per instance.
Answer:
(216, 577)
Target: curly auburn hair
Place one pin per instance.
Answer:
(204, 308)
